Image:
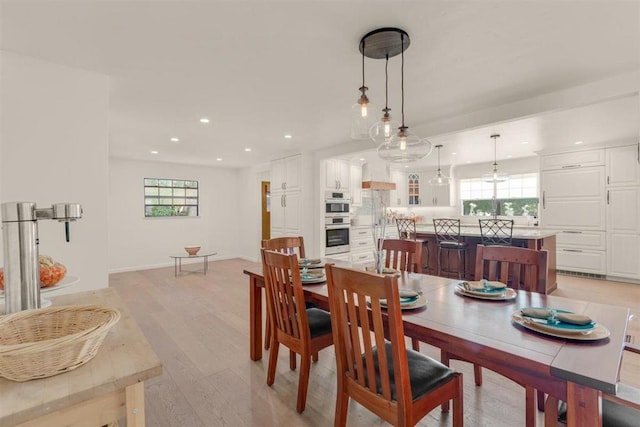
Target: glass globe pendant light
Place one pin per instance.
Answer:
(440, 178)
(383, 129)
(494, 176)
(404, 147)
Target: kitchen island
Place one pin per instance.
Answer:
(531, 238)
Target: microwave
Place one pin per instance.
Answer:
(342, 196)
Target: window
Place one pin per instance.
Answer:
(170, 197)
(517, 196)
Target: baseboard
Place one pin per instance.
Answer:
(185, 261)
(598, 276)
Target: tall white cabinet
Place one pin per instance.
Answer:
(286, 197)
(623, 211)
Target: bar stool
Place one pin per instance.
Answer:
(407, 231)
(496, 231)
(448, 239)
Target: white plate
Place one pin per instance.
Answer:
(508, 294)
(420, 302)
(67, 281)
(597, 333)
(312, 280)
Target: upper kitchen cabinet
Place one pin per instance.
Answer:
(573, 160)
(414, 188)
(286, 174)
(356, 185)
(420, 193)
(623, 165)
(337, 174)
(398, 197)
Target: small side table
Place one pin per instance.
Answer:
(177, 261)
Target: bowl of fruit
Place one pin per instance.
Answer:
(51, 273)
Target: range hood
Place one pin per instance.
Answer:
(376, 175)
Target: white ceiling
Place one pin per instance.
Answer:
(260, 69)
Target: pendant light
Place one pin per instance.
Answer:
(440, 178)
(361, 117)
(495, 176)
(383, 129)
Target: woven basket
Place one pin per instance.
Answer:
(49, 341)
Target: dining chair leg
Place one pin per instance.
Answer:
(459, 265)
(273, 361)
(342, 405)
(415, 344)
(292, 360)
(458, 414)
(540, 399)
(477, 374)
(314, 357)
(267, 335)
(303, 381)
(530, 407)
(439, 265)
(444, 359)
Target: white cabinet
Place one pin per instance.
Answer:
(286, 173)
(337, 174)
(623, 253)
(398, 197)
(623, 165)
(356, 185)
(361, 245)
(623, 231)
(572, 160)
(573, 198)
(420, 193)
(286, 197)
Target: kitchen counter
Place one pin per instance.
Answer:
(107, 388)
(537, 239)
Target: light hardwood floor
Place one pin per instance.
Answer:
(199, 326)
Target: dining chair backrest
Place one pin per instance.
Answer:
(447, 230)
(519, 268)
(285, 296)
(403, 255)
(496, 231)
(401, 386)
(359, 332)
(406, 228)
(285, 245)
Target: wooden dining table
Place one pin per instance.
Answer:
(482, 332)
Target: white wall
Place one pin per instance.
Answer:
(136, 242)
(250, 210)
(54, 144)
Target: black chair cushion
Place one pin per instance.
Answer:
(319, 322)
(613, 414)
(425, 373)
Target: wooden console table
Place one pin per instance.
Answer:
(107, 388)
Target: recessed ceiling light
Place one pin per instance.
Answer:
(174, 139)
(509, 156)
(247, 149)
(362, 160)
(525, 142)
(288, 136)
(204, 120)
(579, 142)
(406, 166)
(454, 153)
(468, 161)
(218, 159)
(154, 152)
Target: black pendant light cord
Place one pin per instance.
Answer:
(363, 63)
(402, 78)
(386, 85)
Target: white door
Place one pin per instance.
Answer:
(293, 213)
(623, 210)
(573, 183)
(292, 168)
(623, 253)
(343, 174)
(399, 195)
(277, 214)
(356, 185)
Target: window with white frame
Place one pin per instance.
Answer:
(170, 197)
(516, 196)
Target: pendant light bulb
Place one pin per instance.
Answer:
(440, 178)
(403, 143)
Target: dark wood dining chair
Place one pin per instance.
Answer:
(399, 385)
(404, 255)
(518, 268)
(304, 331)
(285, 245)
(621, 410)
(496, 231)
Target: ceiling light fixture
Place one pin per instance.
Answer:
(218, 159)
(440, 178)
(154, 152)
(494, 176)
(247, 149)
(361, 120)
(579, 142)
(174, 139)
(382, 130)
(400, 147)
(204, 120)
(287, 136)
